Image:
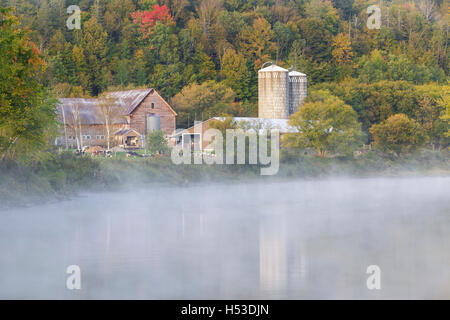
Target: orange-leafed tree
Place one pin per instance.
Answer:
(148, 19)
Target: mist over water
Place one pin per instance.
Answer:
(284, 240)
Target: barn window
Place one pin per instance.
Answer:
(153, 105)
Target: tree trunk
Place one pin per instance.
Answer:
(65, 127)
(9, 148)
(107, 133)
(79, 127)
(321, 153)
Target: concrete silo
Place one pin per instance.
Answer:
(273, 92)
(297, 90)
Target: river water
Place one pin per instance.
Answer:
(287, 240)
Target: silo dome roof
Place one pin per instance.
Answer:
(273, 68)
(296, 74)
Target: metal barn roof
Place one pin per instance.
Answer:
(129, 99)
(89, 113)
(248, 123)
(263, 123)
(126, 101)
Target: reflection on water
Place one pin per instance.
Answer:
(303, 239)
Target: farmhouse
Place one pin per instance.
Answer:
(127, 115)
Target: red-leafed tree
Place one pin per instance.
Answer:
(147, 19)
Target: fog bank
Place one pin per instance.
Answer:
(291, 240)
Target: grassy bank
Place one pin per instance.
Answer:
(58, 176)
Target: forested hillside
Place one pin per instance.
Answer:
(387, 87)
(171, 44)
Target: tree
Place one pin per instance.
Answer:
(200, 101)
(110, 112)
(208, 11)
(398, 134)
(148, 19)
(156, 143)
(234, 72)
(427, 8)
(139, 68)
(296, 53)
(428, 113)
(446, 115)
(73, 121)
(94, 47)
(43, 19)
(401, 68)
(318, 39)
(117, 16)
(342, 54)
(373, 68)
(326, 124)
(27, 113)
(342, 50)
(323, 11)
(256, 41)
(283, 37)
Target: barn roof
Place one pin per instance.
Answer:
(126, 101)
(130, 99)
(247, 123)
(88, 111)
(263, 123)
(123, 132)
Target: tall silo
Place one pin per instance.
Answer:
(297, 90)
(273, 92)
(153, 122)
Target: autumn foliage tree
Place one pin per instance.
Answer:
(398, 134)
(26, 114)
(148, 19)
(203, 101)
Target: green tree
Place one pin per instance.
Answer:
(139, 68)
(27, 115)
(283, 37)
(398, 134)
(326, 124)
(201, 101)
(428, 113)
(446, 115)
(323, 11)
(234, 73)
(157, 143)
(373, 68)
(94, 47)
